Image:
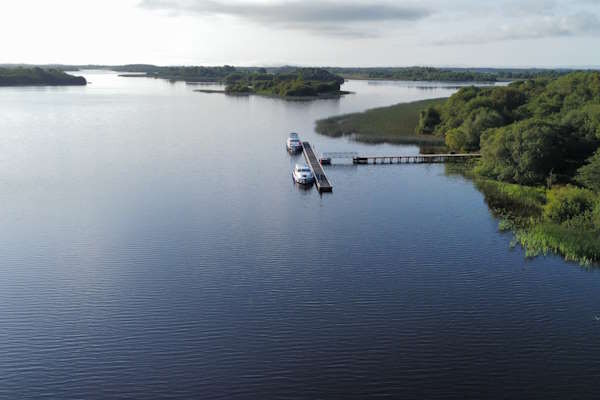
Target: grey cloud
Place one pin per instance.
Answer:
(332, 17)
(545, 26)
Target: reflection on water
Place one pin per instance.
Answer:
(154, 245)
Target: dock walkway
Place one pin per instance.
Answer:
(415, 159)
(321, 180)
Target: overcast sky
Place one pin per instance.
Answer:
(302, 32)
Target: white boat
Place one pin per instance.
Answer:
(293, 143)
(302, 174)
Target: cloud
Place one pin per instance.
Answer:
(579, 24)
(333, 17)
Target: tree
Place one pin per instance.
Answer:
(456, 139)
(589, 174)
(428, 120)
(524, 152)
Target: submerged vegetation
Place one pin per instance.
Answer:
(396, 123)
(38, 77)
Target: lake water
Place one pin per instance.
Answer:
(153, 245)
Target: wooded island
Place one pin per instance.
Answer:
(37, 76)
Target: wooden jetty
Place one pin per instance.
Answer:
(321, 180)
(415, 159)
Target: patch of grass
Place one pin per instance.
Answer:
(574, 244)
(395, 124)
(524, 210)
(512, 201)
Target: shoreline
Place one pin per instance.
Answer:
(274, 96)
(393, 124)
(364, 78)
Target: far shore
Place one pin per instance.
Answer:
(327, 96)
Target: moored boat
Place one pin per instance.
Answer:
(293, 143)
(302, 174)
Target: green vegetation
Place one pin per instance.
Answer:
(563, 220)
(188, 74)
(589, 174)
(540, 153)
(302, 83)
(444, 74)
(528, 132)
(299, 83)
(387, 124)
(37, 77)
(511, 201)
(540, 165)
(218, 73)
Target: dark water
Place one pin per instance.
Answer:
(153, 245)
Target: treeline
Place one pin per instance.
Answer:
(444, 74)
(544, 133)
(38, 76)
(218, 73)
(190, 74)
(301, 82)
(526, 131)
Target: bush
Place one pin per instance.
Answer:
(567, 202)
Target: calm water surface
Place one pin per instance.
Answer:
(153, 245)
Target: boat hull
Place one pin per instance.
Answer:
(303, 181)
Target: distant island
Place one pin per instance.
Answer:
(36, 76)
(301, 83)
(539, 141)
(289, 83)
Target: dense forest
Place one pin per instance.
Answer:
(38, 76)
(445, 74)
(533, 133)
(300, 82)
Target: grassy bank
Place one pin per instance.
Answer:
(394, 124)
(562, 220)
